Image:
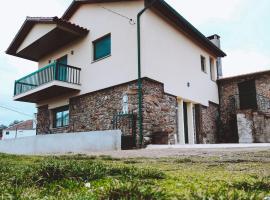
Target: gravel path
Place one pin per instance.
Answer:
(160, 153)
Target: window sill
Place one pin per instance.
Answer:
(204, 72)
(94, 61)
(61, 127)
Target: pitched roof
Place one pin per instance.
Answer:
(166, 11)
(25, 125)
(31, 21)
(247, 75)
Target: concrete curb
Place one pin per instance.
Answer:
(208, 146)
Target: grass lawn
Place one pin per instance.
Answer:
(241, 176)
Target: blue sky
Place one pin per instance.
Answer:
(243, 25)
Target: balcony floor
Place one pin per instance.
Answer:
(47, 91)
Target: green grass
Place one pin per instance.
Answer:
(245, 176)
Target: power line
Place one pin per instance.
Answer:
(13, 110)
(131, 21)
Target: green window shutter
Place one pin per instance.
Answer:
(102, 47)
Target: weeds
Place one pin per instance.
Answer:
(82, 177)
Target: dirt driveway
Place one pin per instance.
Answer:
(258, 153)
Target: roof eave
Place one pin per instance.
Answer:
(187, 27)
(30, 22)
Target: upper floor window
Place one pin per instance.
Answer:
(102, 47)
(203, 64)
(61, 117)
(212, 69)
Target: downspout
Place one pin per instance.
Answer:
(140, 99)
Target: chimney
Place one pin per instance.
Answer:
(215, 39)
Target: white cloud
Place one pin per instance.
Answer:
(245, 61)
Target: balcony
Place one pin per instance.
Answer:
(51, 81)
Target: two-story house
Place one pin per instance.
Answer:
(88, 71)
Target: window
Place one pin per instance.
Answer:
(61, 117)
(203, 64)
(247, 95)
(7, 133)
(212, 69)
(102, 47)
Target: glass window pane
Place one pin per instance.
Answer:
(62, 117)
(102, 47)
(65, 118)
(58, 119)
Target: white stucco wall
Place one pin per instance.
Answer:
(167, 55)
(64, 143)
(170, 57)
(36, 32)
(7, 135)
(121, 66)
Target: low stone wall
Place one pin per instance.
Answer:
(207, 123)
(63, 143)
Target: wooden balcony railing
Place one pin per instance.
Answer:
(53, 72)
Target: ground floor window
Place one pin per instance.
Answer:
(61, 117)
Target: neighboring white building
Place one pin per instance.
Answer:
(20, 130)
(93, 48)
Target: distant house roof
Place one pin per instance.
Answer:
(248, 75)
(31, 21)
(25, 125)
(165, 10)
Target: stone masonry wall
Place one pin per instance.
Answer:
(253, 127)
(43, 120)
(95, 111)
(228, 125)
(207, 123)
(159, 112)
(229, 88)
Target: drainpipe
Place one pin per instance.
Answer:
(139, 70)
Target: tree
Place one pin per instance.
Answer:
(2, 127)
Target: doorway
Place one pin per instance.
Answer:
(185, 122)
(62, 68)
